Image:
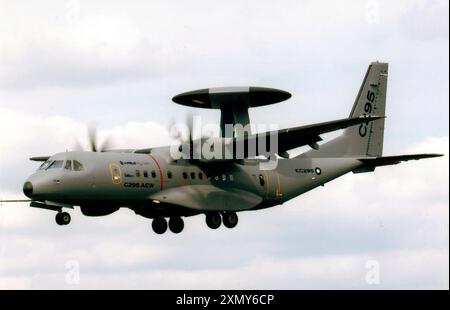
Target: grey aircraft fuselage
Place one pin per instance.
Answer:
(131, 180)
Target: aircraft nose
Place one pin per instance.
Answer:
(28, 189)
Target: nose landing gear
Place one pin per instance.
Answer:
(62, 218)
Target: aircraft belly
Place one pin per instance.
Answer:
(208, 198)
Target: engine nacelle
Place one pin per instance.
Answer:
(95, 210)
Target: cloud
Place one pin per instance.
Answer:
(74, 45)
(87, 52)
(433, 17)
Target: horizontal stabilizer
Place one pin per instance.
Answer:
(393, 160)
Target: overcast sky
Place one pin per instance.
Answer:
(64, 64)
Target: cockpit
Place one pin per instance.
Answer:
(69, 164)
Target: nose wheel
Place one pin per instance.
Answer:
(62, 218)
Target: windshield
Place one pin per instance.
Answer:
(56, 164)
(72, 165)
(45, 164)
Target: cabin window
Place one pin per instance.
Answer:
(68, 165)
(145, 174)
(153, 174)
(56, 164)
(224, 177)
(169, 174)
(192, 175)
(200, 176)
(216, 178)
(185, 175)
(77, 166)
(138, 174)
(231, 177)
(261, 180)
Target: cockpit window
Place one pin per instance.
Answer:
(56, 164)
(77, 166)
(68, 165)
(45, 164)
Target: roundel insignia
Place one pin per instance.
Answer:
(318, 171)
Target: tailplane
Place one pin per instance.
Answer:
(371, 163)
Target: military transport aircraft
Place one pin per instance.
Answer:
(157, 186)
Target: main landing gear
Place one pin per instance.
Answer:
(62, 218)
(214, 219)
(230, 219)
(176, 224)
(159, 225)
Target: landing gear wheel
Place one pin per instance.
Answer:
(62, 218)
(213, 220)
(230, 219)
(176, 224)
(159, 225)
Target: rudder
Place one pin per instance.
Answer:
(367, 139)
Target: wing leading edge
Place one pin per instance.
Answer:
(291, 138)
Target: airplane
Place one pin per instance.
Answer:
(157, 186)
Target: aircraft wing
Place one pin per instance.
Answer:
(393, 160)
(288, 139)
(208, 198)
(291, 138)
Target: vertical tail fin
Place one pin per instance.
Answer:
(367, 139)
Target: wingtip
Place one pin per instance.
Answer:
(437, 155)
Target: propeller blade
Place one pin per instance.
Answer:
(189, 124)
(92, 136)
(107, 145)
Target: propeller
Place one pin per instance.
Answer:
(94, 145)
